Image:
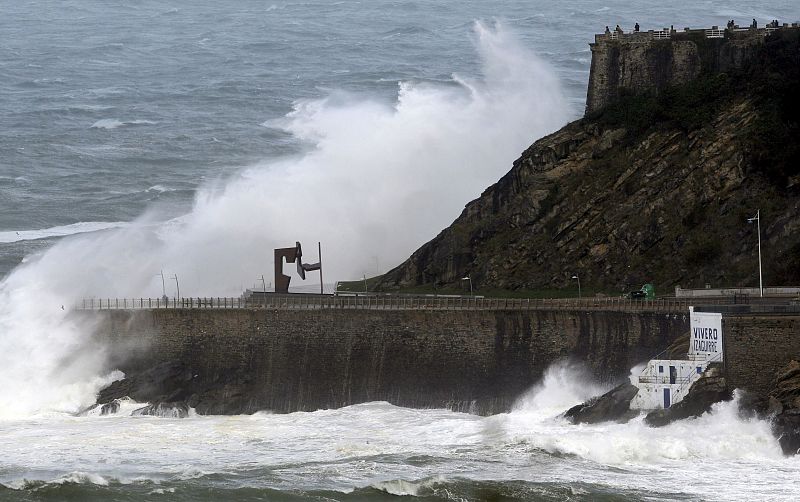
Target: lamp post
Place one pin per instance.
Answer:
(757, 219)
(575, 276)
(468, 278)
(163, 285)
(177, 286)
(264, 286)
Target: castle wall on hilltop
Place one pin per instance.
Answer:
(648, 62)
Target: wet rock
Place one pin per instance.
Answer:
(110, 408)
(709, 389)
(223, 393)
(165, 410)
(614, 405)
(163, 382)
(784, 406)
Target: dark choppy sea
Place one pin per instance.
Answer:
(189, 137)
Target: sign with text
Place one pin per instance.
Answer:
(706, 335)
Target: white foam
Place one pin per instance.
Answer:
(402, 487)
(79, 477)
(115, 123)
(59, 231)
(563, 385)
(159, 189)
(106, 124)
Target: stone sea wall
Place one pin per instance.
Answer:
(757, 346)
(301, 360)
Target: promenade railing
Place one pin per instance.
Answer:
(393, 302)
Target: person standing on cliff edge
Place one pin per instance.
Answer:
(636, 28)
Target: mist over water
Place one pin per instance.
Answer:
(194, 137)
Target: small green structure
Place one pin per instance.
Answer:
(647, 292)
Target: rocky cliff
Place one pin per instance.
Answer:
(653, 188)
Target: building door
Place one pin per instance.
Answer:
(673, 374)
(666, 398)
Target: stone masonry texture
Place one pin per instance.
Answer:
(303, 360)
(757, 346)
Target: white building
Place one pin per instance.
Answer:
(664, 382)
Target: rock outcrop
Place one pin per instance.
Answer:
(165, 410)
(614, 405)
(651, 189)
(784, 407)
(171, 389)
(709, 389)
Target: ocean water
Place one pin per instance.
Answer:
(190, 137)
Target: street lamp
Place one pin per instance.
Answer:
(579, 284)
(264, 285)
(757, 219)
(163, 285)
(178, 286)
(468, 278)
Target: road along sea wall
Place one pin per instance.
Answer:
(288, 360)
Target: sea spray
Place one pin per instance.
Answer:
(378, 180)
(564, 384)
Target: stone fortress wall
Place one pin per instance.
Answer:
(650, 61)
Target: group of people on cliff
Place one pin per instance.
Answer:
(730, 25)
(754, 25)
(619, 30)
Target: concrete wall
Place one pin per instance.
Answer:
(757, 346)
(478, 361)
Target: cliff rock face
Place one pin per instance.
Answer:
(784, 406)
(654, 189)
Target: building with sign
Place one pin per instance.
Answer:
(664, 382)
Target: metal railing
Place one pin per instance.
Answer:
(390, 302)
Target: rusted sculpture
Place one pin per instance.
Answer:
(292, 255)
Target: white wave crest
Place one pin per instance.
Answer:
(115, 123)
(402, 487)
(79, 477)
(159, 189)
(59, 231)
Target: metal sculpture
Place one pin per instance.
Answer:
(293, 255)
